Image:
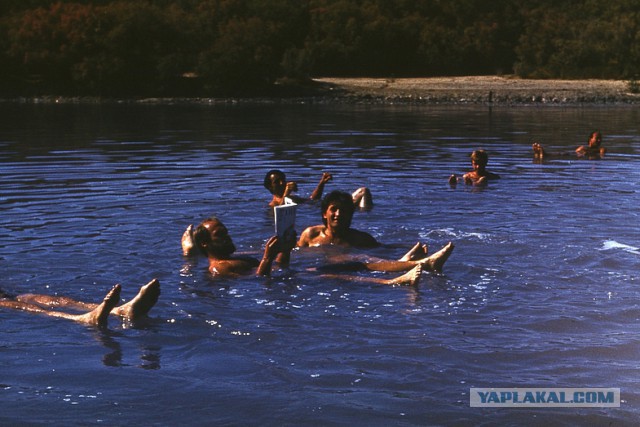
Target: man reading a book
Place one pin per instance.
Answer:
(212, 239)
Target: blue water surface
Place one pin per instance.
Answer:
(539, 292)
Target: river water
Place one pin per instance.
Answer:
(541, 290)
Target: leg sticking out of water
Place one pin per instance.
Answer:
(52, 301)
(140, 304)
(436, 261)
(418, 251)
(411, 278)
(19, 305)
(433, 262)
(99, 315)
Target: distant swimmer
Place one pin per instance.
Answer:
(276, 182)
(479, 176)
(592, 151)
(97, 314)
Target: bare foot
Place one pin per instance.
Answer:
(418, 251)
(141, 303)
(100, 314)
(436, 261)
(411, 277)
(187, 241)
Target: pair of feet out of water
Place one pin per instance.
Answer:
(98, 314)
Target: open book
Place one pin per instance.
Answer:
(285, 217)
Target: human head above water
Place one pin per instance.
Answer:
(342, 200)
(273, 179)
(212, 238)
(595, 138)
(480, 158)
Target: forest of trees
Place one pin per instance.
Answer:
(231, 47)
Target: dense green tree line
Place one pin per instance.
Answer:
(224, 47)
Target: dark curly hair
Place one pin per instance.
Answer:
(276, 172)
(480, 157)
(341, 199)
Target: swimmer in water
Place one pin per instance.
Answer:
(212, 239)
(276, 182)
(592, 151)
(479, 176)
(337, 214)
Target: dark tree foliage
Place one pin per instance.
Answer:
(230, 47)
(570, 39)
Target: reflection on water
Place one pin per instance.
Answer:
(539, 292)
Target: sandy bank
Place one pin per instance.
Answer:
(482, 89)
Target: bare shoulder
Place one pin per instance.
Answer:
(309, 235)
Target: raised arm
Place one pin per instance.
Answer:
(285, 246)
(317, 193)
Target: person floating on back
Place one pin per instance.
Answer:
(337, 214)
(95, 313)
(212, 239)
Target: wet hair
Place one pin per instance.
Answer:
(340, 199)
(480, 157)
(202, 235)
(276, 172)
(212, 218)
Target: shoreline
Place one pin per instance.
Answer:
(496, 90)
(468, 90)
